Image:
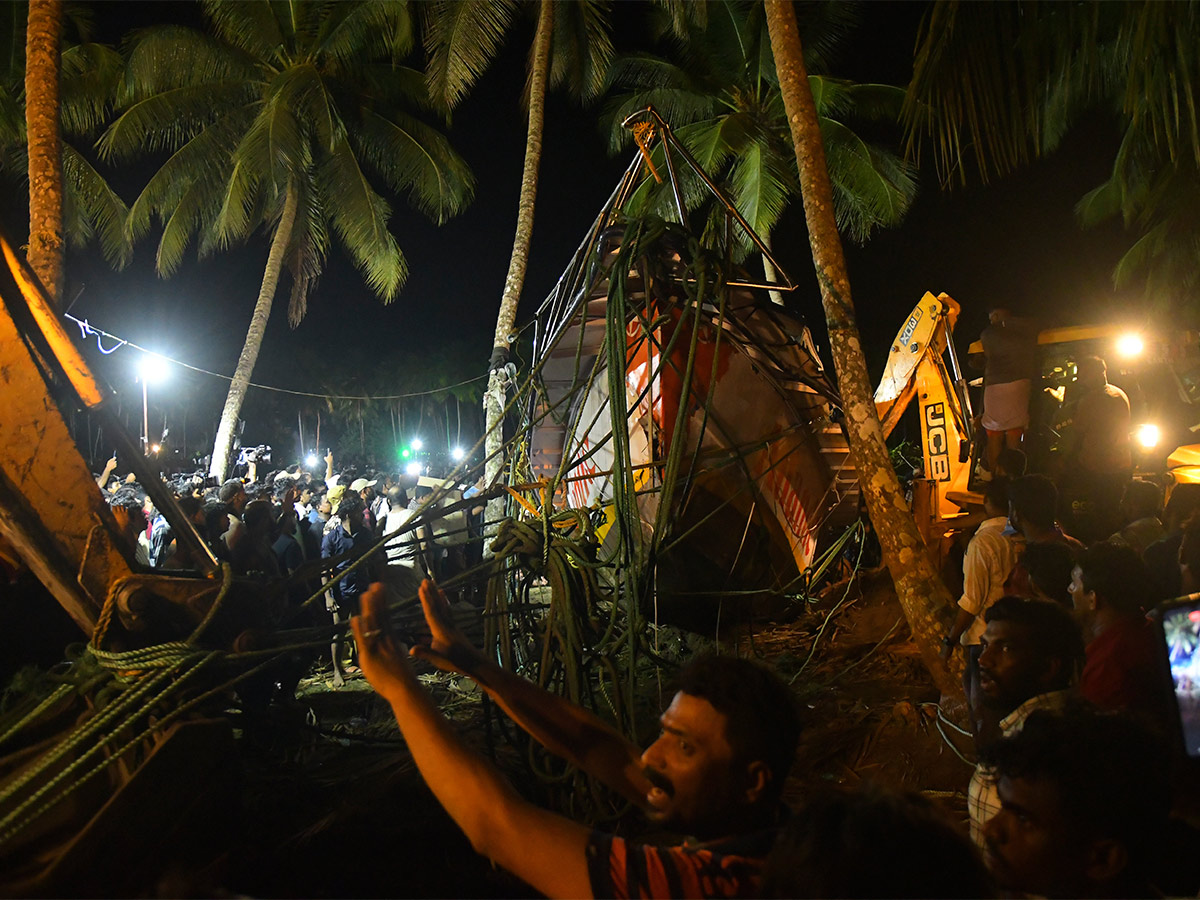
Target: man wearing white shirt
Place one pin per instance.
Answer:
(990, 557)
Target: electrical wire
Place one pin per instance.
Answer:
(88, 330)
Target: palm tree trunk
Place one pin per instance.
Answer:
(254, 338)
(43, 60)
(494, 399)
(924, 598)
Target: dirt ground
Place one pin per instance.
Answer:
(869, 709)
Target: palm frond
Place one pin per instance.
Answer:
(414, 158)
(461, 38)
(582, 48)
(274, 143)
(165, 57)
(684, 16)
(360, 219)
(825, 28)
(91, 74)
(251, 25)
(95, 206)
(352, 31)
(309, 245)
(183, 222)
(872, 188)
(168, 120)
(762, 184)
(201, 157)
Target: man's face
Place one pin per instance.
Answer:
(324, 510)
(1009, 670)
(1032, 846)
(1083, 600)
(368, 494)
(698, 783)
(305, 496)
(1090, 376)
(239, 501)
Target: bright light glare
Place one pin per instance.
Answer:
(311, 459)
(457, 453)
(152, 368)
(1147, 436)
(1131, 344)
(417, 444)
(154, 448)
(413, 469)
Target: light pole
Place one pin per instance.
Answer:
(151, 367)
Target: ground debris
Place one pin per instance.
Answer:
(868, 706)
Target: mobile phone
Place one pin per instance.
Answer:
(1181, 637)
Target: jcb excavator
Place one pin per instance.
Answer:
(923, 365)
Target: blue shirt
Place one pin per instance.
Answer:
(338, 542)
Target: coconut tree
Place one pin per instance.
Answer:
(43, 49)
(922, 595)
(572, 47)
(717, 87)
(285, 119)
(87, 75)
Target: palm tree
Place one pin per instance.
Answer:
(88, 73)
(722, 100)
(922, 595)
(43, 50)
(571, 46)
(284, 119)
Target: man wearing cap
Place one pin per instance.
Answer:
(366, 490)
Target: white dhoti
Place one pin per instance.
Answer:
(1006, 406)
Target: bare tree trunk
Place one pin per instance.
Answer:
(254, 338)
(495, 398)
(924, 598)
(43, 62)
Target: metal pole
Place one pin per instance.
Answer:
(145, 420)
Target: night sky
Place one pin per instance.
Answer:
(1014, 241)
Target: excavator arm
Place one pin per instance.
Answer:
(923, 364)
(51, 510)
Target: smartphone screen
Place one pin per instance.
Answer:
(1181, 628)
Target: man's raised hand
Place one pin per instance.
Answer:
(381, 656)
(450, 649)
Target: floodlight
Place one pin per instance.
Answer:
(1148, 435)
(457, 454)
(413, 469)
(152, 368)
(154, 448)
(1130, 345)
(417, 444)
(311, 460)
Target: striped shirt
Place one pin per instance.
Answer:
(730, 867)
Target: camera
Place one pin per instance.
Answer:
(259, 454)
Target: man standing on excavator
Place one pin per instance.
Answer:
(1010, 361)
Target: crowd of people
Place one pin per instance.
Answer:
(283, 523)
